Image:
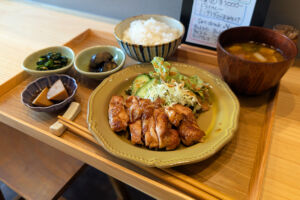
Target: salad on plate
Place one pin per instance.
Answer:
(167, 83)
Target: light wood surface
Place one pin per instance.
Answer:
(42, 27)
(199, 190)
(235, 177)
(25, 163)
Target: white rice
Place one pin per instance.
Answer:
(149, 32)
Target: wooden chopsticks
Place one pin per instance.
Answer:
(77, 129)
(173, 177)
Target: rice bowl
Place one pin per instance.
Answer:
(149, 32)
(145, 53)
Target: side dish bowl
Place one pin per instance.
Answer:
(82, 61)
(145, 53)
(248, 77)
(29, 64)
(35, 87)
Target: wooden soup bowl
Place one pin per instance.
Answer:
(248, 77)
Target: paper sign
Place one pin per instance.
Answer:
(210, 17)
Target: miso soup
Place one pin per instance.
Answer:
(254, 51)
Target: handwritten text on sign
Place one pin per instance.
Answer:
(210, 17)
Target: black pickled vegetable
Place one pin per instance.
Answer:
(51, 61)
(102, 62)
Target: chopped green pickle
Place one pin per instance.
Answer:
(51, 61)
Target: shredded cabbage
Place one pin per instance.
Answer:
(175, 88)
(165, 72)
(172, 94)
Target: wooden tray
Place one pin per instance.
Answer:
(237, 170)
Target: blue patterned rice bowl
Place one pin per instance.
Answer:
(145, 53)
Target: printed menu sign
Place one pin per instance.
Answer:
(210, 17)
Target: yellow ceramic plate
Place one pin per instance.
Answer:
(219, 123)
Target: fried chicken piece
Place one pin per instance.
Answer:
(133, 108)
(158, 102)
(189, 132)
(171, 139)
(150, 136)
(135, 113)
(167, 138)
(148, 123)
(118, 118)
(186, 111)
(161, 126)
(136, 132)
(173, 116)
(147, 107)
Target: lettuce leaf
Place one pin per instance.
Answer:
(161, 68)
(165, 72)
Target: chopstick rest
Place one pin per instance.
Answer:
(58, 128)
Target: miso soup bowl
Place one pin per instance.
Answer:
(248, 77)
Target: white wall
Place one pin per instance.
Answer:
(121, 9)
(279, 12)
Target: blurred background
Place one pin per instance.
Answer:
(279, 12)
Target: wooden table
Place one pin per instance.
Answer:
(25, 27)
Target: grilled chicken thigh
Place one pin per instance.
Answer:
(150, 136)
(185, 111)
(151, 124)
(135, 113)
(118, 118)
(133, 108)
(148, 123)
(173, 116)
(136, 132)
(158, 102)
(171, 139)
(189, 132)
(147, 107)
(161, 126)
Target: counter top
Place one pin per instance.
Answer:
(26, 27)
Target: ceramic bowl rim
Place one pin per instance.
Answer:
(99, 73)
(49, 71)
(54, 105)
(149, 15)
(249, 61)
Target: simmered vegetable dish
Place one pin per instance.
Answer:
(51, 61)
(254, 51)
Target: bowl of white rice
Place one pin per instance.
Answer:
(145, 36)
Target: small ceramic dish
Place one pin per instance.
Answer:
(145, 53)
(29, 64)
(35, 87)
(82, 60)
